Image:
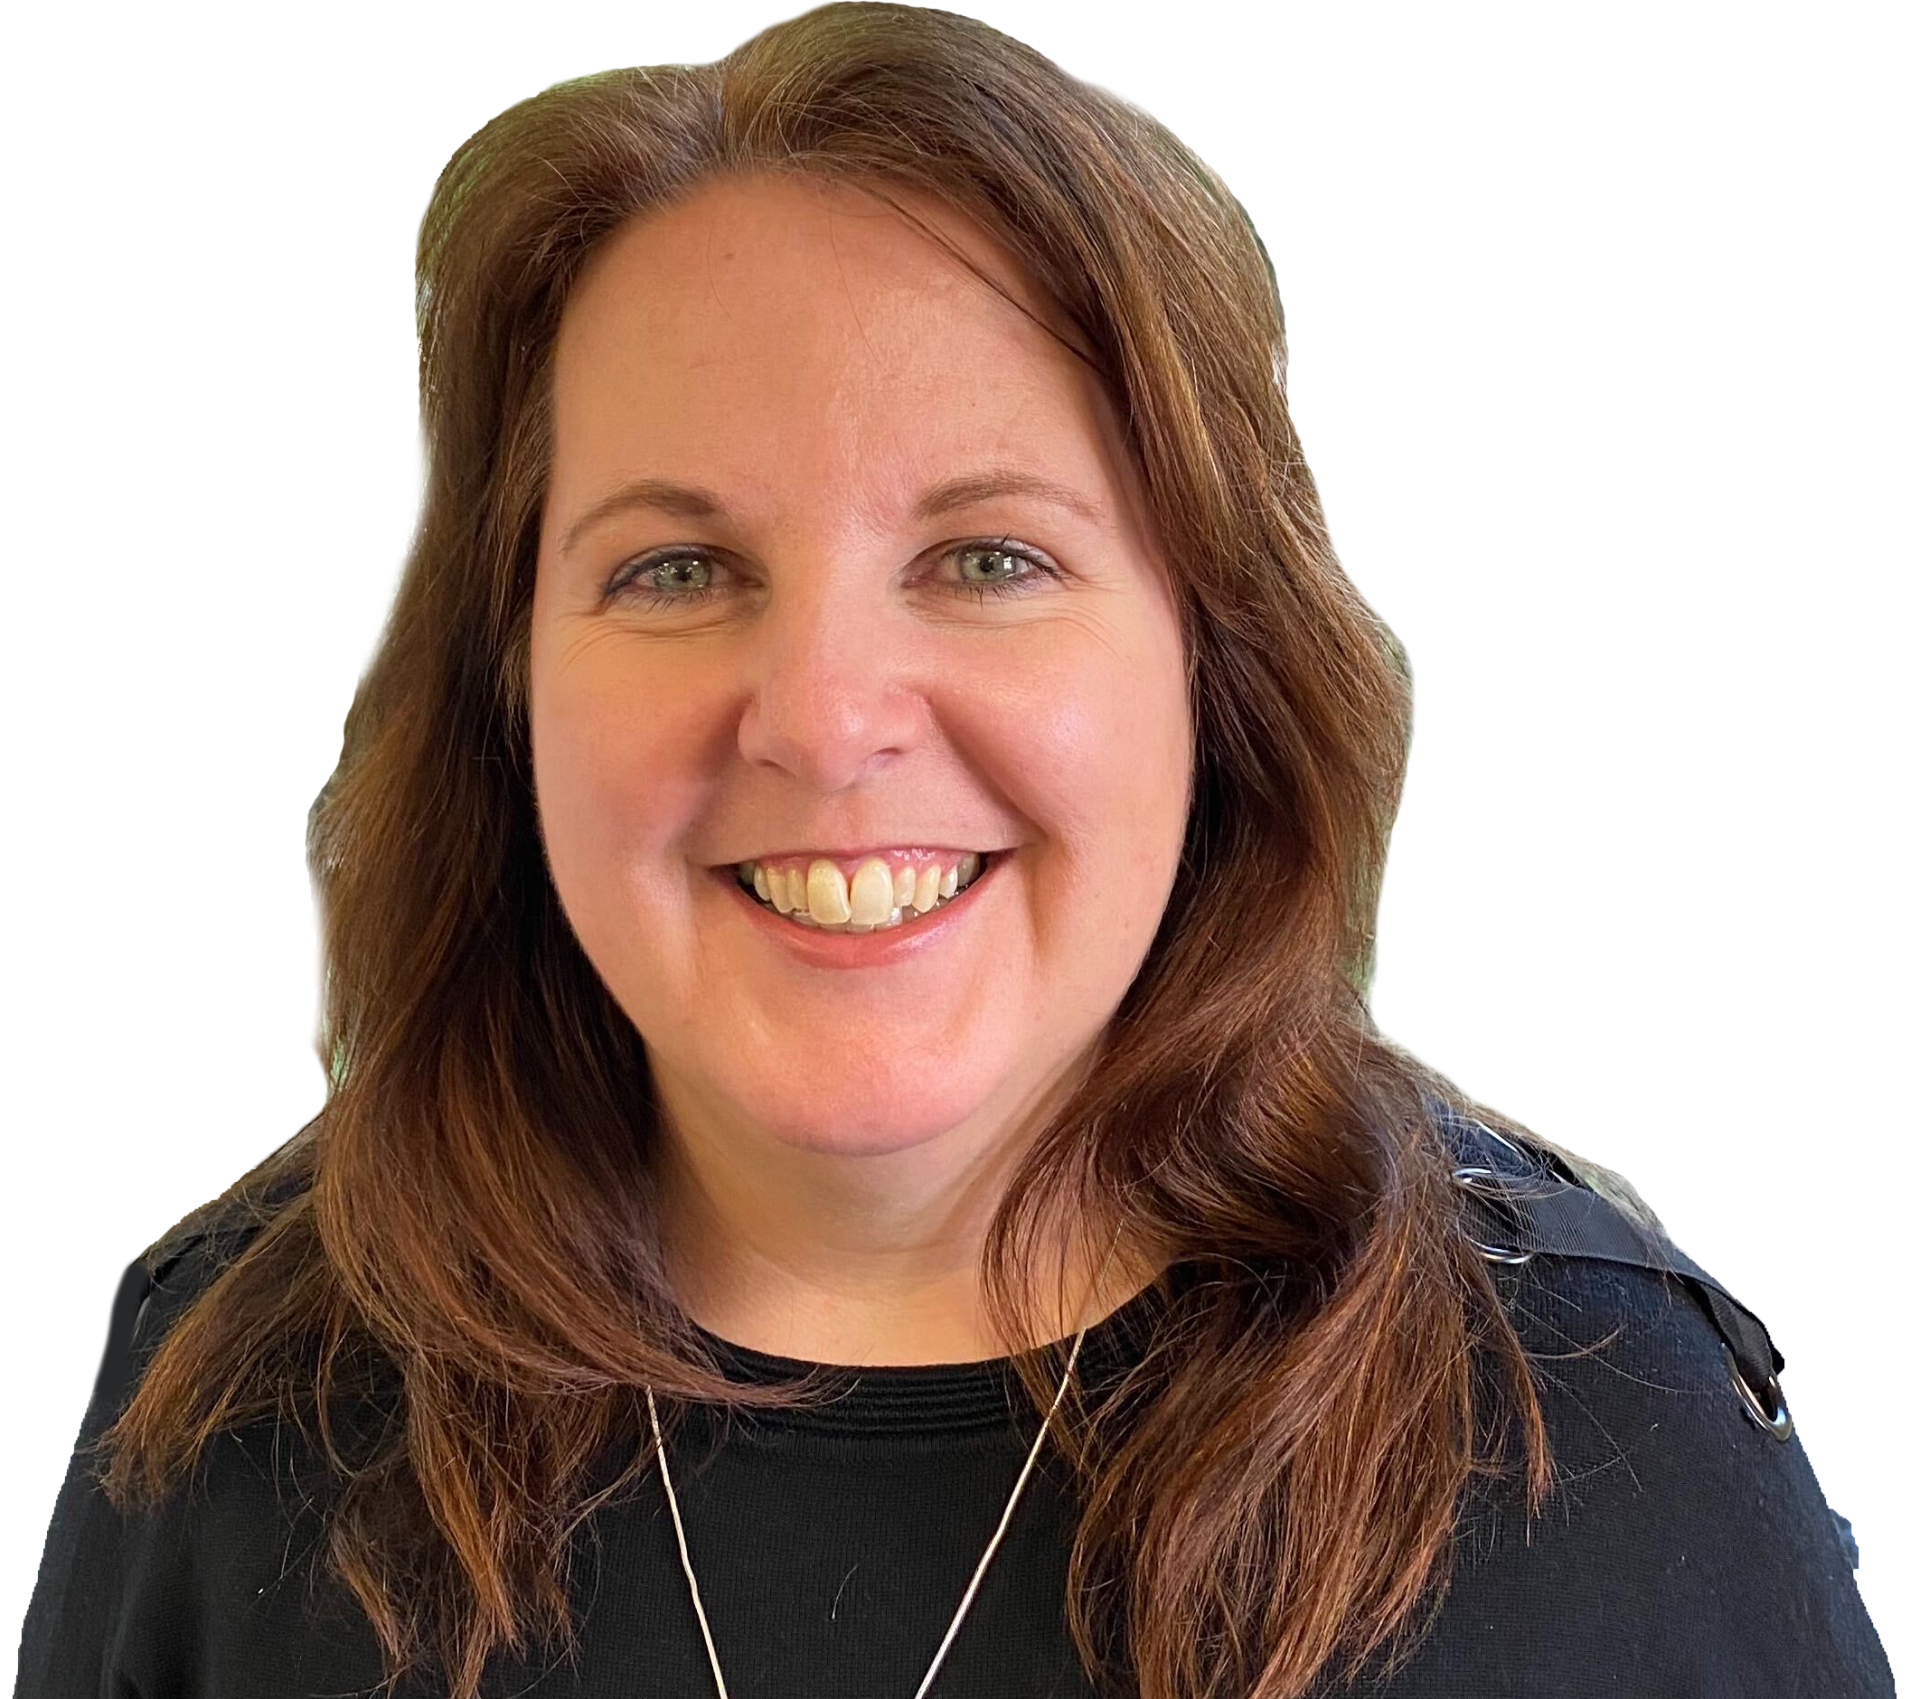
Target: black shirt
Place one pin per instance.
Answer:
(1690, 1553)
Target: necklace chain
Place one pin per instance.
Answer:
(993, 1545)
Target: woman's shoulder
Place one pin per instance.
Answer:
(148, 1597)
(154, 1287)
(1687, 1547)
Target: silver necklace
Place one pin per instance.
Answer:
(973, 1586)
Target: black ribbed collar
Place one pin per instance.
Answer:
(938, 1398)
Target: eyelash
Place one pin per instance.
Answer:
(625, 581)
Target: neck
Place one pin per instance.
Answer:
(824, 1321)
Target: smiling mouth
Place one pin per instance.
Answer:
(899, 914)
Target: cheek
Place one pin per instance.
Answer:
(1102, 750)
(610, 817)
(616, 771)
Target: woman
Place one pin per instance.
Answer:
(857, 1160)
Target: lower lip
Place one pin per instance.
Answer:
(864, 949)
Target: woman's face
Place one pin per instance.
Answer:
(828, 669)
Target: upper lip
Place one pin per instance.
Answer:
(852, 854)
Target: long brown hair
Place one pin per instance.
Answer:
(472, 1211)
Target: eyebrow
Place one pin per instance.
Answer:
(690, 501)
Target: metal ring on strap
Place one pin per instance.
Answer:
(1489, 1183)
(1767, 1407)
(1779, 1420)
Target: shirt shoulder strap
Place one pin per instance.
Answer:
(1523, 1200)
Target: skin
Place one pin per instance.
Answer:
(835, 1140)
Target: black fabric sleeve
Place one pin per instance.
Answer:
(1686, 1554)
(73, 1617)
(115, 1611)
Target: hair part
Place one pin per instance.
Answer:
(450, 1278)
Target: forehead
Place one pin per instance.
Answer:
(776, 330)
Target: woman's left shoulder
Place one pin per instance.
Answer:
(1687, 1547)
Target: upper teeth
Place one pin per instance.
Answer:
(823, 893)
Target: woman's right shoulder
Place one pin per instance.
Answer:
(165, 1278)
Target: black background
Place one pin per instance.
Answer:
(1556, 358)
